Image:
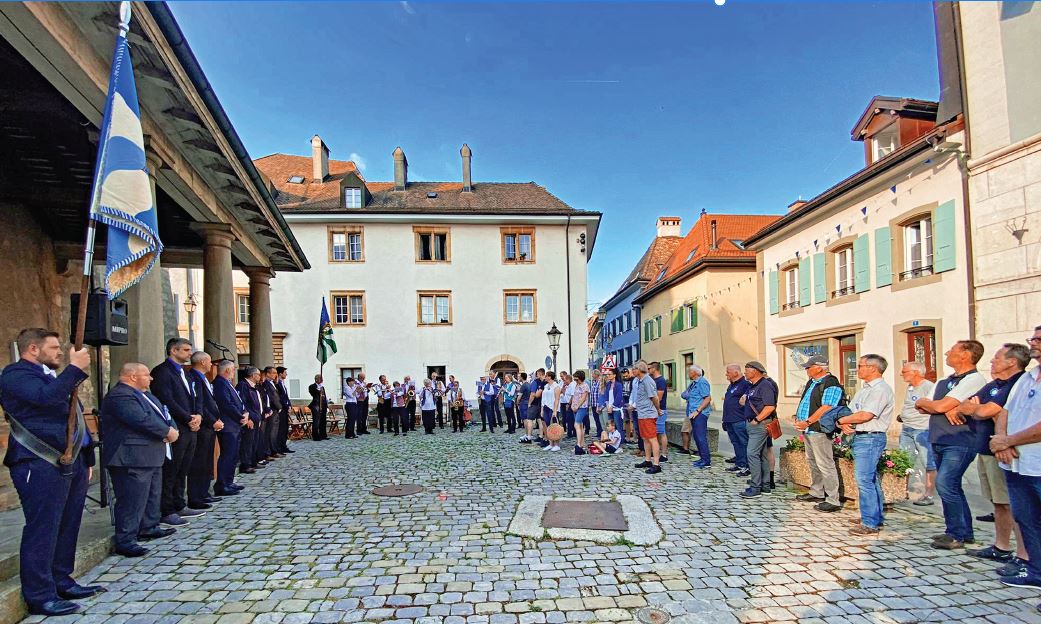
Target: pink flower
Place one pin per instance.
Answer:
(802, 438)
(837, 441)
(889, 463)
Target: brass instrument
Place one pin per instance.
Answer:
(411, 394)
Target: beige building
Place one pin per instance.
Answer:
(700, 307)
(876, 263)
(1000, 46)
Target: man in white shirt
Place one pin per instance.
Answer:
(914, 436)
(427, 406)
(872, 409)
(953, 440)
(1017, 445)
(567, 392)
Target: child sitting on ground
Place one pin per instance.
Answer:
(610, 439)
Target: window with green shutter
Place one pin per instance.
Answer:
(883, 257)
(771, 285)
(691, 314)
(861, 264)
(657, 326)
(804, 282)
(677, 320)
(820, 283)
(943, 238)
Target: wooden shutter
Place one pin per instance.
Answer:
(804, 282)
(820, 283)
(861, 264)
(883, 257)
(694, 314)
(944, 250)
(677, 320)
(771, 284)
(657, 327)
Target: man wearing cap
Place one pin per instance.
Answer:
(821, 393)
(760, 403)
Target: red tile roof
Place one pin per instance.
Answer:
(486, 197)
(656, 256)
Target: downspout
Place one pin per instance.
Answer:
(963, 164)
(567, 260)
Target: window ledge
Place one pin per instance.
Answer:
(433, 324)
(790, 311)
(433, 262)
(924, 280)
(520, 322)
(841, 300)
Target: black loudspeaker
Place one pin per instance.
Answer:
(107, 322)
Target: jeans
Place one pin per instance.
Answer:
(916, 442)
(867, 450)
(1025, 495)
(951, 463)
(699, 431)
(594, 416)
(738, 434)
(619, 423)
(824, 476)
(511, 418)
(569, 419)
(757, 464)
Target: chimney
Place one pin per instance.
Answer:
(668, 226)
(468, 186)
(795, 205)
(319, 159)
(714, 241)
(400, 170)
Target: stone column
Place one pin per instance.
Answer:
(261, 346)
(218, 320)
(146, 342)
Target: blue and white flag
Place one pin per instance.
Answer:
(122, 195)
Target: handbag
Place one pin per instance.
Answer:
(554, 432)
(774, 428)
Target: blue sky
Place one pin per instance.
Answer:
(635, 110)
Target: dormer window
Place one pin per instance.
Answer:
(352, 198)
(885, 142)
(661, 274)
(295, 180)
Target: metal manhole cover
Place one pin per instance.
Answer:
(403, 489)
(596, 515)
(652, 615)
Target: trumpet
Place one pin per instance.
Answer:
(411, 394)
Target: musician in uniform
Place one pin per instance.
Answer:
(319, 408)
(287, 408)
(456, 405)
(400, 413)
(274, 403)
(410, 402)
(489, 397)
(383, 403)
(36, 401)
(439, 395)
(427, 405)
(362, 426)
(350, 409)
(201, 469)
(138, 432)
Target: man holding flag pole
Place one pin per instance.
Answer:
(319, 398)
(43, 406)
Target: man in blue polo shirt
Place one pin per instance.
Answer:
(734, 421)
(1006, 367)
(954, 442)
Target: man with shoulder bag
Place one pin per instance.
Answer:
(822, 392)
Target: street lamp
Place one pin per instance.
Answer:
(554, 335)
(190, 305)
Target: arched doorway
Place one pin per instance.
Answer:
(503, 367)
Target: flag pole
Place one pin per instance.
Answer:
(88, 253)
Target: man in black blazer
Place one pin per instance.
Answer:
(253, 402)
(138, 432)
(287, 408)
(319, 408)
(201, 471)
(274, 402)
(235, 418)
(171, 385)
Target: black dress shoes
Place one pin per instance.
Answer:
(199, 505)
(78, 592)
(228, 492)
(54, 608)
(134, 550)
(247, 470)
(156, 533)
(212, 499)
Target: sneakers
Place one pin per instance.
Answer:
(1023, 579)
(700, 465)
(924, 501)
(555, 448)
(653, 470)
(809, 498)
(991, 552)
(947, 542)
(684, 451)
(548, 447)
(644, 464)
(663, 459)
(1012, 568)
(745, 472)
(750, 493)
(579, 450)
(188, 512)
(173, 520)
(734, 469)
(985, 518)
(863, 529)
(827, 507)
(731, 460)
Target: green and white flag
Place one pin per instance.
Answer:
(326, 344)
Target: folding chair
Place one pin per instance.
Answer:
(337, 418)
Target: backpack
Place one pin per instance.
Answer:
(828, 422)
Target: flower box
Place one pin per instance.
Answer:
(795, 469)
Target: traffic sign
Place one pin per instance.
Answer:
(608, 363)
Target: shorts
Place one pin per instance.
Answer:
(532, 413)
(648, 428)
(660, 423)
(547, 415)
(610, 450)
(582, 416)
(992, 480)
(688, 425)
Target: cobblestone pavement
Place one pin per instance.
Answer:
(308, 542)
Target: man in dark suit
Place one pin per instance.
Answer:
(287, 408)
(170, 384)
(36, 401)
(254, 404)
(274, 402)
(319, 408)
(201, 471)
(138, 432)
(235, 418)
(361, 427)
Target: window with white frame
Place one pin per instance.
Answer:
(435, 308)
(348, 308)
(354, 246)
(346, 244)
(843, 272)
(352, 198)
(520, 306)
(242, 305)
(791, 288)
(339, 246)
(885, 142)
(918, 248)
(518, 244)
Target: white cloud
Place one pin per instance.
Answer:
(408, 8)
(358, 160)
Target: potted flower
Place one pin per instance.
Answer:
(794, 466)
(894, 467)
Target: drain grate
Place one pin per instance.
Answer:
(595, 515)
(402, 489)
(652, 615)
